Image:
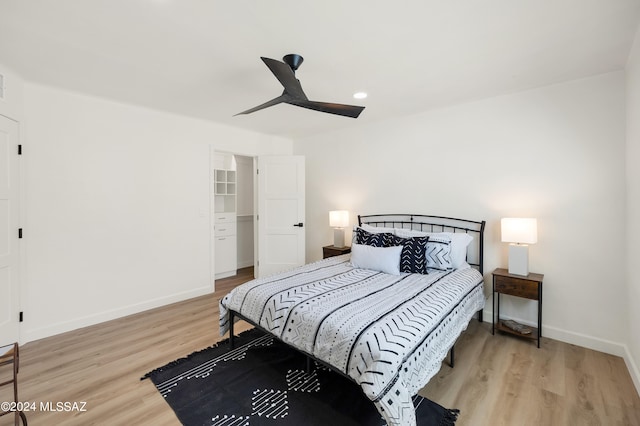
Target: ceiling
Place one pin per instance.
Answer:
(201, 58)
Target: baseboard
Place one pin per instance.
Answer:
(578, 339)
(633, 368)
(226, 274)
(589, 342)
(65, 326)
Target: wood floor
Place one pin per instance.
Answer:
(498, 380)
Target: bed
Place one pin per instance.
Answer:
(386, 327)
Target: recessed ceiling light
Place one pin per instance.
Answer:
(360, 95)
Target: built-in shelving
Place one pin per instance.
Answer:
(225, 187)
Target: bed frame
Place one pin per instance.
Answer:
(416, 222)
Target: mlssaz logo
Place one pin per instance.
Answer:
(63, 406)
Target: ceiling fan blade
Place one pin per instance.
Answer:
(293, 93)
(286, 77)
(275, 101)
(338, 109)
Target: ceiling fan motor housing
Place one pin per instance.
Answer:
(293, 60)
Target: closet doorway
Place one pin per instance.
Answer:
(240, 196)
(233, 183)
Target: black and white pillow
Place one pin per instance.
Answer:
(413, 258)
(371, 239)
(439, 253)
(445, 250)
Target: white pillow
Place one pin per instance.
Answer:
(376, 229)
(408, 233)
(383, 259)
(459, 243)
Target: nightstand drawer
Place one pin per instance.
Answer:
(516, 287)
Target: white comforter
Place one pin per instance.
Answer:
(389, 333)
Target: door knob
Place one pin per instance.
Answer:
(300, 225)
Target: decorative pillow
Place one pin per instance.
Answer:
(459, 243)
(413, 258)
(371, 239)
(439, 253)
(383, 259)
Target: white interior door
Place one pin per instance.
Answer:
(9, 250)
(281, 216)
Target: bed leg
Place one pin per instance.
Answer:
(231, 330)
(452, 355)
(480, 315)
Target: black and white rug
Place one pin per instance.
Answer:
(264, 382)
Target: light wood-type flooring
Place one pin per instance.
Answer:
(497, 380)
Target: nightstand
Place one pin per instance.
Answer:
(529, 287)
(330, 251)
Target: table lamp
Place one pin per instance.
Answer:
(338, 219)
(519, 232)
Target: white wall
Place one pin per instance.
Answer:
(555, 153)
(117, 207)
(633, 206)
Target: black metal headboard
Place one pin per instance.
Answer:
(419, 222)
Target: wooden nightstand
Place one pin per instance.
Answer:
(9, 355)
(529, 287)
(330, 251)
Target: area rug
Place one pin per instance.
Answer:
(264, 382)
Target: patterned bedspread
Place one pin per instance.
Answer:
(389, 333)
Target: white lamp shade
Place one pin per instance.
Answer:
(339, 218)
(519, 230)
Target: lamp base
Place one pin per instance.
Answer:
(519, 259)
(338, 237)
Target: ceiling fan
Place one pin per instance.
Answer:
(293, 93)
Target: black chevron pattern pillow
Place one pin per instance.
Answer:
(413, 258)
(439, 253)
(371, 239)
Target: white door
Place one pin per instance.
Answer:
(281, 217)
(9, 250)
